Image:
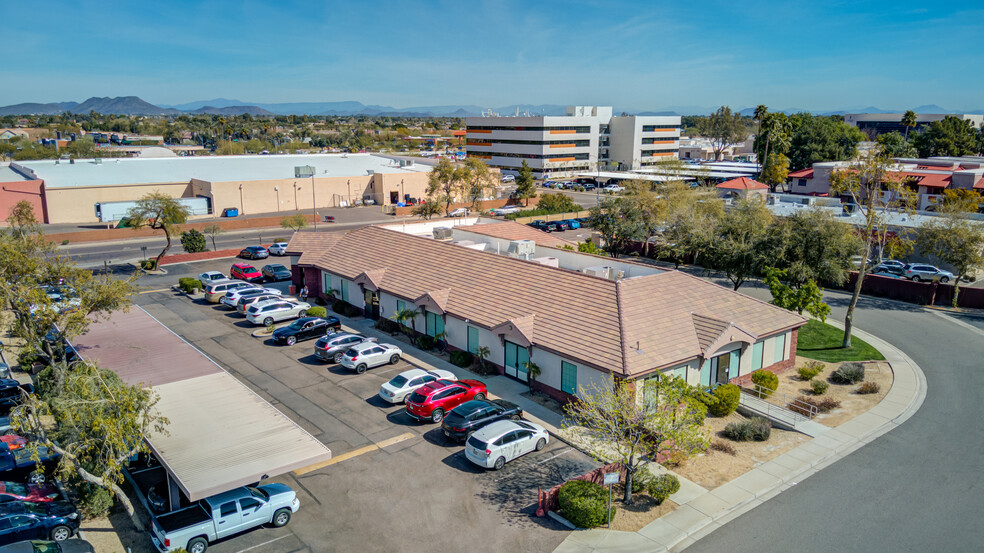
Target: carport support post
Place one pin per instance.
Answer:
(173, 494)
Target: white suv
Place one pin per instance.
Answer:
(232, 297)
(270, 311)
(918, 272)
(368, 355)
(278, 248)
(502, 441)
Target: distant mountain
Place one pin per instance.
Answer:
(217, 102)
(123, 105)
(231, 110)
(37, 109)
(931, 108)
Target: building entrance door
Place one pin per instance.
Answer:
(372, 304)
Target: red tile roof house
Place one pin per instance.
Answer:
(578, 328)
(743, 187)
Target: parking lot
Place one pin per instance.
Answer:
(393, 484)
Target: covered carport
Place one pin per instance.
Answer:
(221, 434)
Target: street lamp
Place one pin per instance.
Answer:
(277, 190)
(242, 207)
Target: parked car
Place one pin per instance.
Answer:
(545, 226)
(918, 273)
(504, 210)
(23, 520)
(209, 277)
(572, 223)
(247, 301)
(402, 385)
(215, 291)
(432, 401)
(254, 252)
(268, 312)
(17, 464)
(856, 261)
(12, 393)
(278, 248)
(195, 527)
(231, 299)
(548, 184)
(613, 188)
(508, 178)
(333, 346)
(13, 441)
(589, 185)
(44, 546)
(500, 442)
(35, 493)
(275, 272)
(459, 212)
(370, 354)
(560, 225)
(306, 328)
(472, 415)
(245, 271)
(890, 267)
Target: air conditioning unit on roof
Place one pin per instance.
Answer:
(600, 271)
(442, 233)
(522, 249)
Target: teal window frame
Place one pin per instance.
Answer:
(568, 378)
(519, 356)
(757, 349)
(473, 343)
(780, 349)
(343, 287)
(400, 305)
(434, 324)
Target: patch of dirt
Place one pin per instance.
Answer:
(852, 403)
(635, 517)
(714, 468)
(116, 534)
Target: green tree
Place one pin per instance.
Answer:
(807, 297)
(952, 136)
(822, 139)
(193, 241)
(7, 150)
(293, 222)
(22, 220)
(525, 187)
(895, 145)
(212, 231)
(619, 222)
(776, 133)
(613, 425)
(557, 203)
(723, 128)
(740, 247)
(446, 183)
(426, 210)
(480, 182)
(532, 373)
(812, 244)
(159, 212)
(954, 237)
(692, 216)
(404, 316)
(909, 122)
(776, 171)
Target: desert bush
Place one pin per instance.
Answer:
(663, 486)
(811, 369)
(848, 373)
(65, 242)
(641, 479)
(189, 285)
(823, 405)
(148, 264)
(193, 241)
(819, 387)
(584, 503)
(768, 381)
(317, 311)
(93, 501)
(726, 400)
(461, 358)
(425, 342)
(755, 429)
(868, 388)
(724, 447)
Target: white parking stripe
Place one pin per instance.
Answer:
(565, 452)
(264, 543)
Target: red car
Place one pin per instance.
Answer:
(13, 442)
(245, 271)
(35, 493)
(432, 401)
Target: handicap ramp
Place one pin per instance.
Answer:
(781, 417)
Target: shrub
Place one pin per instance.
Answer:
(461, 358)
(848, 373)
(189, 285)
(148, 264)
(275, 240)
(819, 387)
(93, 501)
(755, 429)
(345, 308)
(193, 241)
(868, 388)
(726, 400)
(641, 479)
(584, 503)
(823, 405)
(724, 447)
(663, 486)
(811, 369)
(387, 325)
(698, 406)
(767, 381)
(64, 242)
(317, 311)
(425, 342)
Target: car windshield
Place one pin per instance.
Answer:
(296, 325)
(46, 547)
(477, 444)
(398, 381)
(258, 493)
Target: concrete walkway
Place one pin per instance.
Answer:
(702, 512)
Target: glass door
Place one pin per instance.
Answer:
(516, 357)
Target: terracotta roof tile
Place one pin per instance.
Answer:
(743, 183)
(801, 174)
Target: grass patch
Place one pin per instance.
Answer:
(822, 342)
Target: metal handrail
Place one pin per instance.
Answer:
(799, 407)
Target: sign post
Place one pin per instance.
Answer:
(610, 478)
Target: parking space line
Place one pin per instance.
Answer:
(158, 290)
(264, 543)
(510, 475)
(354, 453)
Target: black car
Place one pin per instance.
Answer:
(890, 267)
(472, 415)
(23, 520)
(275, 272)
(11, 393)
(254, 252)
(41, 546)
(306, 328)
(542, 225)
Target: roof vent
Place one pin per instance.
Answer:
(521, 249)
(600, 271)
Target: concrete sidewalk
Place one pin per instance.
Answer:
(703, 511)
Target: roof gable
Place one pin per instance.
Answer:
(743, 183)
(518, 330)
(370, 279)
(435, 300)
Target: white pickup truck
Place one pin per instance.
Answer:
(196, 526)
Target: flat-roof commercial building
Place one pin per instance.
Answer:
(875, 124)
(581, 318)
(587, 138)
(74, 191)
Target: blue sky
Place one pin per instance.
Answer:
(642, 55)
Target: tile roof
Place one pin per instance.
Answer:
(980, 183)
(649, 313)
(801, 174)
(743, 183)
(932, 180)
(511, 230)
(309, 245)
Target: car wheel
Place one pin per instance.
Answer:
(394, 359)
(540, 444)
(36, 478)
(268, 321)
(480, 396)
(915, 278)
(438, 415)
(291, 340)
(361, 368)
(338, 357)
(944, 280)
(61, 533)
(281, 517)
(516, 417)
(499, 463)
(197, 545)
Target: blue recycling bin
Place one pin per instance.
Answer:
(231, 212)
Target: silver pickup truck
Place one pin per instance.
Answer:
(196, 526)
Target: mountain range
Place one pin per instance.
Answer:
(132, 105)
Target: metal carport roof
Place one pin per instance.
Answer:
(221, 435)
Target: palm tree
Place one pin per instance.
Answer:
(908, 121)
(483, 353)
(532, 373)
(760, 112)
(411, 315)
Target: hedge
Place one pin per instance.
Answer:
(462, 358)
(317, 311)
(663, 486)
(584, 503)
(189, 285)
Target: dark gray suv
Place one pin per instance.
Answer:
(332, 347)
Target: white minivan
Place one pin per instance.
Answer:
(216, 290)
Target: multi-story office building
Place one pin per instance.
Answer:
(585, 139)
(875, 124)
